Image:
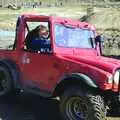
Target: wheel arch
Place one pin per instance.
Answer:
(74, 79)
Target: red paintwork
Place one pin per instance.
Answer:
(45, 71)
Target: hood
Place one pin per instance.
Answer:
(107, 64)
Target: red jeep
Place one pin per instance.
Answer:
(70, 67)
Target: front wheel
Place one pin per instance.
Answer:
(78, 105)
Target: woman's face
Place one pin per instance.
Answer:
(43, 32)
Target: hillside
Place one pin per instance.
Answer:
(106, 19)
(107, 22)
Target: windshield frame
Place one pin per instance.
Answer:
(73, 27)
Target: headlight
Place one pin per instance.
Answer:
(110, 79)
(116, 77)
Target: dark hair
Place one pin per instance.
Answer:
(33, 34)
(37, 29)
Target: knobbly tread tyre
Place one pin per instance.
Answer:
(95, 104)
(9, 81)
(99, 107)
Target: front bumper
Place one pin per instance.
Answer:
(113, 97)
(113, 87)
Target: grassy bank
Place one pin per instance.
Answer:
(105, 19)
(10, 16)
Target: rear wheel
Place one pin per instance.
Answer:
(5, 81)
(77, 105)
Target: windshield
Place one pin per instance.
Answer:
(73, 37)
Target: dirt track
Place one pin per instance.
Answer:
(30, 108)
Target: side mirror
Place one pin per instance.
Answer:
(99, 39)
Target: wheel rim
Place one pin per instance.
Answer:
(3, 81)
(77, 109)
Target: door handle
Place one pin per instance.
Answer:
(27, 60)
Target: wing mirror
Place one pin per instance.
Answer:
(99, 39)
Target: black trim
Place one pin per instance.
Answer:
(37, 91)
(17, 29)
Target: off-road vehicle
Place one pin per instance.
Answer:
(71, 68)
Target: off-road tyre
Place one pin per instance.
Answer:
(6, 83)
(80, 105)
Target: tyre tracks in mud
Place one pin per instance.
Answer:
(31, 107)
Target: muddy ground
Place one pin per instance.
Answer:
(28, 107)
(31, 107)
